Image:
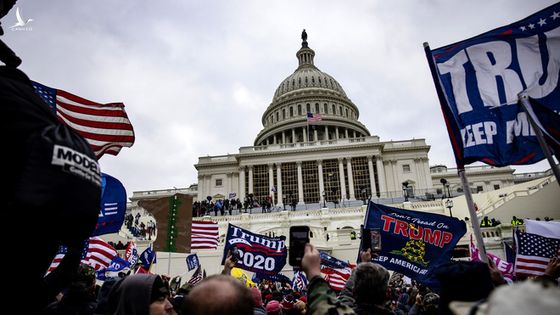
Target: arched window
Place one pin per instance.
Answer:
(291, 111)
(283, 113)
(299, 110)
(340, 110)
(347, 112)
(333, 109)
(277, 116)
(325, 108)
(308, 108)
(316, 107)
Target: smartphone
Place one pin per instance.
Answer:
(371, 239)
(299, 236)
(235, 255)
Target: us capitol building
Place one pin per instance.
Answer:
(329, 167)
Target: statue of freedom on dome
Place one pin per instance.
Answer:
(304, 35)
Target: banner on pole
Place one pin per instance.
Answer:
(480, 79)
(258, 253)
(414, 243)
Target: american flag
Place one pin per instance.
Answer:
(197, 276)
(105, 126)
(534, 253)
(204, 234)
(313, 117)
(99, 253)
(336, 277)
(299, 282)
(57, 258)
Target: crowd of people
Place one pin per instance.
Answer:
(464, 287)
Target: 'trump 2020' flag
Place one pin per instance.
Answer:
(478, 81)
(258, 253)
(105, 126)
(204, 235)
(414, 243)
(533, 253)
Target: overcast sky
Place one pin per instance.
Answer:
(196, 76)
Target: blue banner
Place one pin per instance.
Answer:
(148, 258)
(413, 243)
(258, 253)
(258, 277)
(192, 262)
(113, 206)
(478, 82)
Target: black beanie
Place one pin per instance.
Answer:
(159, 289)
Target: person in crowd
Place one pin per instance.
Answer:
(274, 308)
(219, 294)
(425, 305)
(258, 308)
(515, 221)
(368, 289)
(140, 294)
(485, 222)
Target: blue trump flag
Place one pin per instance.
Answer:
(192, 262)
(478, 81)
(148, 258)
(258, 253)
(413, 243)
(113, 206)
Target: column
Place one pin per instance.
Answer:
(274, 137)
(304, 134)
(346, 132)
(395, 175)
(371, 176)
(354, 136)
(229, 184)
(271, 181)
(293, 135)
(350, 176)
(250, 179)
(242, 183)
(201, 185)
(380, 174)
(336, 133)
(299, 183)
(419, 174)
(342, 182)
(315, 134)
(283, 137)
(326, 132)
(208, 185)
(321, 181)
(279, 185)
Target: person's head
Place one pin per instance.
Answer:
(219, 294)
(142, 294)
(274, 308)
(257, 297)
(370, 283)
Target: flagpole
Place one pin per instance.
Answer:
(524, 100)
(472, 211)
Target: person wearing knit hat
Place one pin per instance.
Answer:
(274, 308)
(142, 294)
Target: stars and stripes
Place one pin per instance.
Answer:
(299, 282)
(57, 258)
(197, 276)
(311, 117)
(99, 253)
(336, 277)
(204, 234)
(534, 253)
(105, 126)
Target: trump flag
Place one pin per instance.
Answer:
(113, 206)
(478, 81)
(413, 243)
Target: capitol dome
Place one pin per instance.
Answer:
(309, 92)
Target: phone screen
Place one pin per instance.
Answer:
(299, 236)
(375, 240)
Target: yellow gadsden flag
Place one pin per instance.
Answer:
(243, 277)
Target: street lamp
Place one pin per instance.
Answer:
(445, 184)
(449, 205)
(405, 191)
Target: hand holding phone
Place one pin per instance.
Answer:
(299, 236)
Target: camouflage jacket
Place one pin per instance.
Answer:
(322, 300)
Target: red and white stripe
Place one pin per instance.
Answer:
(56, 261)
(336, 277)
(204, 234)
(530, 265)
(105, 126)
(99, 254)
